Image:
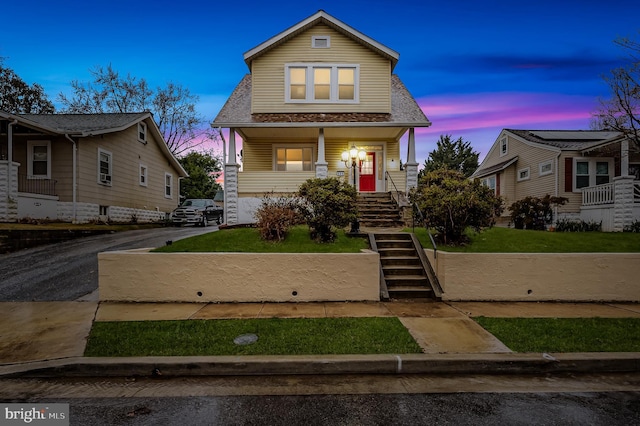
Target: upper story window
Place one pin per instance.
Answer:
(321, 42)
(322, 83)
(523, 174)
(545, 168)
(142, 132)
(39, 159)
(504, 148)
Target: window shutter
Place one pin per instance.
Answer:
(568, 174)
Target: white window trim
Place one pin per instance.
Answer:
(164, 186)
(314, 43)
(543, 164)
(141, 175)
(274, 155)
(506, 146)
(30, 145)
(526, 170)
(485, 182)
(110, 174)
(334, 86)
(592, 170)
(142, 128)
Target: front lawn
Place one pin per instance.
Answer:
(565, 334)
(276, 336)
(247, 240)
(509, 240)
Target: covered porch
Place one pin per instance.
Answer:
(615, 204)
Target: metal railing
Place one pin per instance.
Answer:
(390, 179)
(36, 185)
(417, 213)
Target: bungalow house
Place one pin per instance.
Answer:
(84, 167)
(315, 92)
(595, 170)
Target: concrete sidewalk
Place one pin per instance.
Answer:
(56, 332)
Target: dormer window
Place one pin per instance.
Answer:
(321, 83)
(321, 42)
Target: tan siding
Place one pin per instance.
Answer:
(127, 155)
(269, 80)
(259, 183)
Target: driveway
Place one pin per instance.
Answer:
(69, 270)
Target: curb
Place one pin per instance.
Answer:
(454, 364)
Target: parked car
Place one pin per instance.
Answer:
(198, 212)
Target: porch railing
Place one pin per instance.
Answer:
(36, 185)
(636, 192)
(597, 195)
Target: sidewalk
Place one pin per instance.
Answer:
(41, 335)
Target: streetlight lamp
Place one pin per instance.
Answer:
(353, 154)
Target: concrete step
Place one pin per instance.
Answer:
(403, 270)
(410, 293)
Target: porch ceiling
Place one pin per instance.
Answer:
(311, 133)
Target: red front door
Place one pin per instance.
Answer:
(368, 173)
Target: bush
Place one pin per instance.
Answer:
(634, 227)
(276, 216)
(328, 204)
(450, 203)
(533, 212)
(567, 225)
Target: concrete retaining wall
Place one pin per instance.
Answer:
(141, 276)
(538, 276)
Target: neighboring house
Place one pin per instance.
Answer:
(84, 167)
(595, 170)
(315, 91)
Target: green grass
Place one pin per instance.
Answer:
(509, 240)
(276, 336)
(247, 240)
(566, 334)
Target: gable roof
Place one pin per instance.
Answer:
(86, 125)
(566, 140)
(493, 169)
(405, 112)
(321, 17)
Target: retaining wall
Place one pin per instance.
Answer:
(561, 277)
(141, 276)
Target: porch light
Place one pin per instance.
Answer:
(353, 154)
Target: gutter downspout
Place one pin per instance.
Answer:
(10, 151)
(557, 185)
(75, 182)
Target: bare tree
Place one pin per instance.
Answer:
(173, 106)
(621, 112)
(17, 97)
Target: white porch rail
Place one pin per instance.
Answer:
(636, 192)
(597, 195)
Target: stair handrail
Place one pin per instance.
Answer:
(388, 177)
(418, 212)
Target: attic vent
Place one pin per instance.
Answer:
(320, 42)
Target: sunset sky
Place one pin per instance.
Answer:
(475, 67)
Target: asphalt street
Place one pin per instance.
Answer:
(69, 270)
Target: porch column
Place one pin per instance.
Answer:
(624, 157)
(231, 169)
(8, 191)
(622, 202)
(411, 167)
(322, 167)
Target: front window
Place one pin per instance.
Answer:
(592, 172)
(490, 182)
(168, 185)
(39, 159)
(105, 166)
(295, 159)
(322, 83)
